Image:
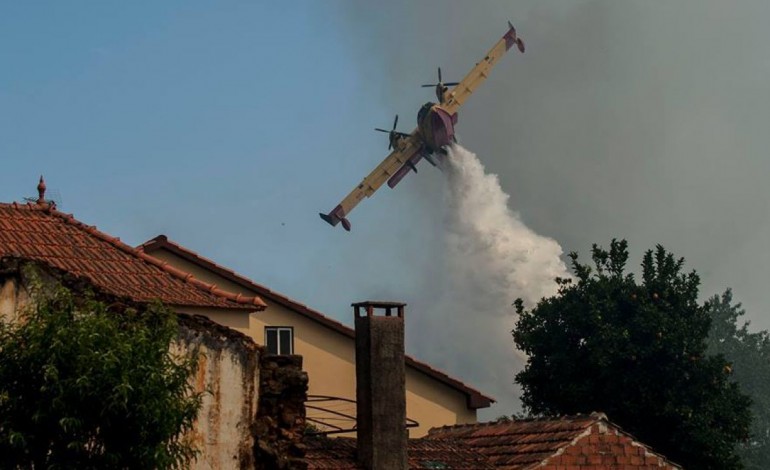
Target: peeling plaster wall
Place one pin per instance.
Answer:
(8, 299)
(228, 373)
(13, 297)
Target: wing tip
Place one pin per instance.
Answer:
(332, 219)
(512, 38)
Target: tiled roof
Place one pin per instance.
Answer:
(475, 399)
(573, 442)
(579, 442)
(518, 444)
(40, 232)
(340, 454)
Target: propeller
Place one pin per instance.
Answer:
(440, 82)
(393, 134)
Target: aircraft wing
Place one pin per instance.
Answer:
(404, 155)
(479, 73)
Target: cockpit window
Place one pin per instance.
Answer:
(423, 111)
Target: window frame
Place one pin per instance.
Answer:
(278, 330)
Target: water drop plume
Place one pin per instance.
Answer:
(491, 257)
(488, 243)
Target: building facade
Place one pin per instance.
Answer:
(327, 347)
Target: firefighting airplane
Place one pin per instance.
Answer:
(435, 130)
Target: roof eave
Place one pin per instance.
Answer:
(227, 299)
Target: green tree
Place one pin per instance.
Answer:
(85, 386)
(749, 354)
(636, 351)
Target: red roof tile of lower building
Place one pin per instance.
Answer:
(517, 444)
(475, 399)
(40, 232)
(340, 454)
(571, 442)
(532, 443)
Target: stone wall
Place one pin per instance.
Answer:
(280, 422)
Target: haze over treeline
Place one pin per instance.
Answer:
(645, 121)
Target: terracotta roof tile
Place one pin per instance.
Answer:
(40, 232)
(518, 444)
(475, 398)
(340, 454)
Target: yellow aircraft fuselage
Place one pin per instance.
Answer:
(435, 130)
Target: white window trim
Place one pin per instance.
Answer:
(278, 330)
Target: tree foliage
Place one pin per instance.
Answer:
(749, 355)
(84, 386)
(636, 351)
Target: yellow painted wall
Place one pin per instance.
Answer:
(329, 356)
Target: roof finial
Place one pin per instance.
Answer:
(41, 191)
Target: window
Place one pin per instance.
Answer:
(279, 339)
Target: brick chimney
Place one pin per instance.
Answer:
(380, 385)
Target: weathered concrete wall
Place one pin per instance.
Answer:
(10, 298)
(14, 293)
(228, 374)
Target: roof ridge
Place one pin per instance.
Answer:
(476, 398)
(594, 416)
(117, 243)
(24, 205)
(165, 240)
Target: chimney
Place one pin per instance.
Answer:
(380, 385)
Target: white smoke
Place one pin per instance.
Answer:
(491, 259)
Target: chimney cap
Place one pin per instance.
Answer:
(378, 304)
(370, 306)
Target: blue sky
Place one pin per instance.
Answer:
(192, 108)
(221, 126)
(229, 125)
